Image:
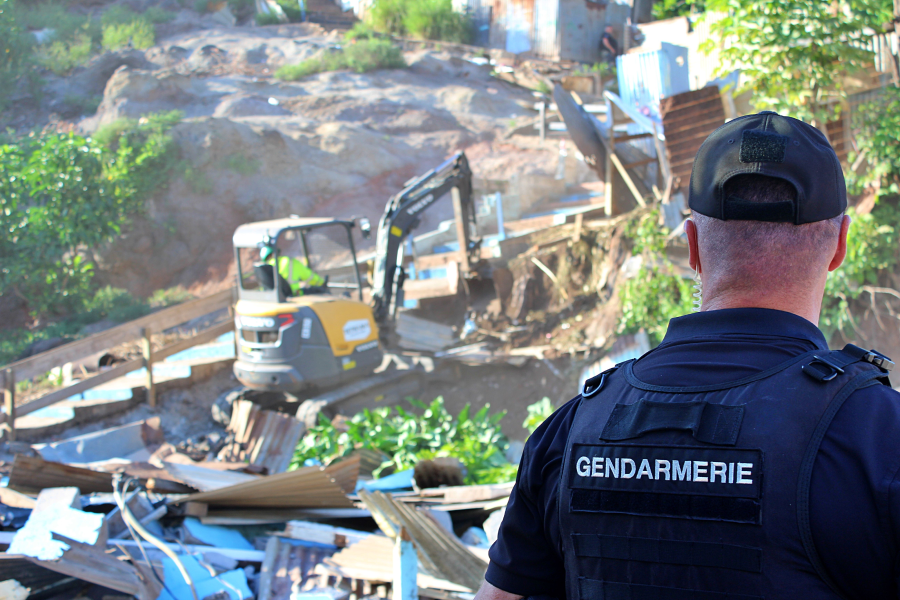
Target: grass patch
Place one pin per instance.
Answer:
(361, 57)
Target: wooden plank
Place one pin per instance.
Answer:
(687, 99)
(147, 352)
(324, 534)
(206, 480)
(635, 136)
(158, 321)
(115, 372)
(267, 570)
(9, 403)
(32, 474)
(638, 163)
(15, 499)
(628, 181)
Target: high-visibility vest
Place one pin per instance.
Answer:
(297, 273)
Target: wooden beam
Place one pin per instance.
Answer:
(159, 321)
(640, 163)
(634, 136)
(406, 568)
(147, 352)
(628, 181)
(9, 400)
(117, 371)
(32, 474)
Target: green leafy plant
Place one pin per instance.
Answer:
(62, 56)
(795, 54)
(406, 438)
(361, 57)
(656, 293)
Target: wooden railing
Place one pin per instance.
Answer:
(141, 328)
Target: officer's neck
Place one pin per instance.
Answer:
(803, 303)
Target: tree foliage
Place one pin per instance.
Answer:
(878, 137)
(795, 54)
(63, 195)
(424, 19)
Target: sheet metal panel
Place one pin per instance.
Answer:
(546, 28)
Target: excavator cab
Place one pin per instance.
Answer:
(293, 336)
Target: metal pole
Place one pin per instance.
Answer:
(148, 364)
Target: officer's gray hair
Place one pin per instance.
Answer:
(742, 251)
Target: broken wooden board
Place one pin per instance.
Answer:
(470, 493)
(306, 487)
(206, 480)
(440, 553)
(31, 474)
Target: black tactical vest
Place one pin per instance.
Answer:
(702, 493)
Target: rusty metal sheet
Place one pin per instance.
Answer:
(688, 119)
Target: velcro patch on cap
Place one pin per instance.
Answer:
(762, 146)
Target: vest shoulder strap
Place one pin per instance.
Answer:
(825, 366)
(862, 380)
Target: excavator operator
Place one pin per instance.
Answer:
(296, 272)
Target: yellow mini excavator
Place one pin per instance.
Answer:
(290, 338)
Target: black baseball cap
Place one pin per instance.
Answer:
(769, 144)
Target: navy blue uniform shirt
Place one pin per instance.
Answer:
(855, 489)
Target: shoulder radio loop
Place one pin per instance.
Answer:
(826, 366)
(593, 385)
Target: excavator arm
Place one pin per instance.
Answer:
(402, 214)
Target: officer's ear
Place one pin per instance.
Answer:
(690, 230)
(841, 252)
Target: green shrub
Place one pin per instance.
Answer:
(436, 20)
(62, 56)
(360, 31)
(657, 292)
(361, 56)
(139, 34)
(15, 50)
(424, 19)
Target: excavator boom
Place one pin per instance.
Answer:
(402, 214)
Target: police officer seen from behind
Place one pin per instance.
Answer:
(740, 459)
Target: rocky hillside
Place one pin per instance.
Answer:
(254, 147)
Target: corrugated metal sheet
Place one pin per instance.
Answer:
(642, 80)
(581, 24)
(688, 119)
(519, 25)
(546, 28)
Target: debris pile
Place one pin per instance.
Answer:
(123, 512)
